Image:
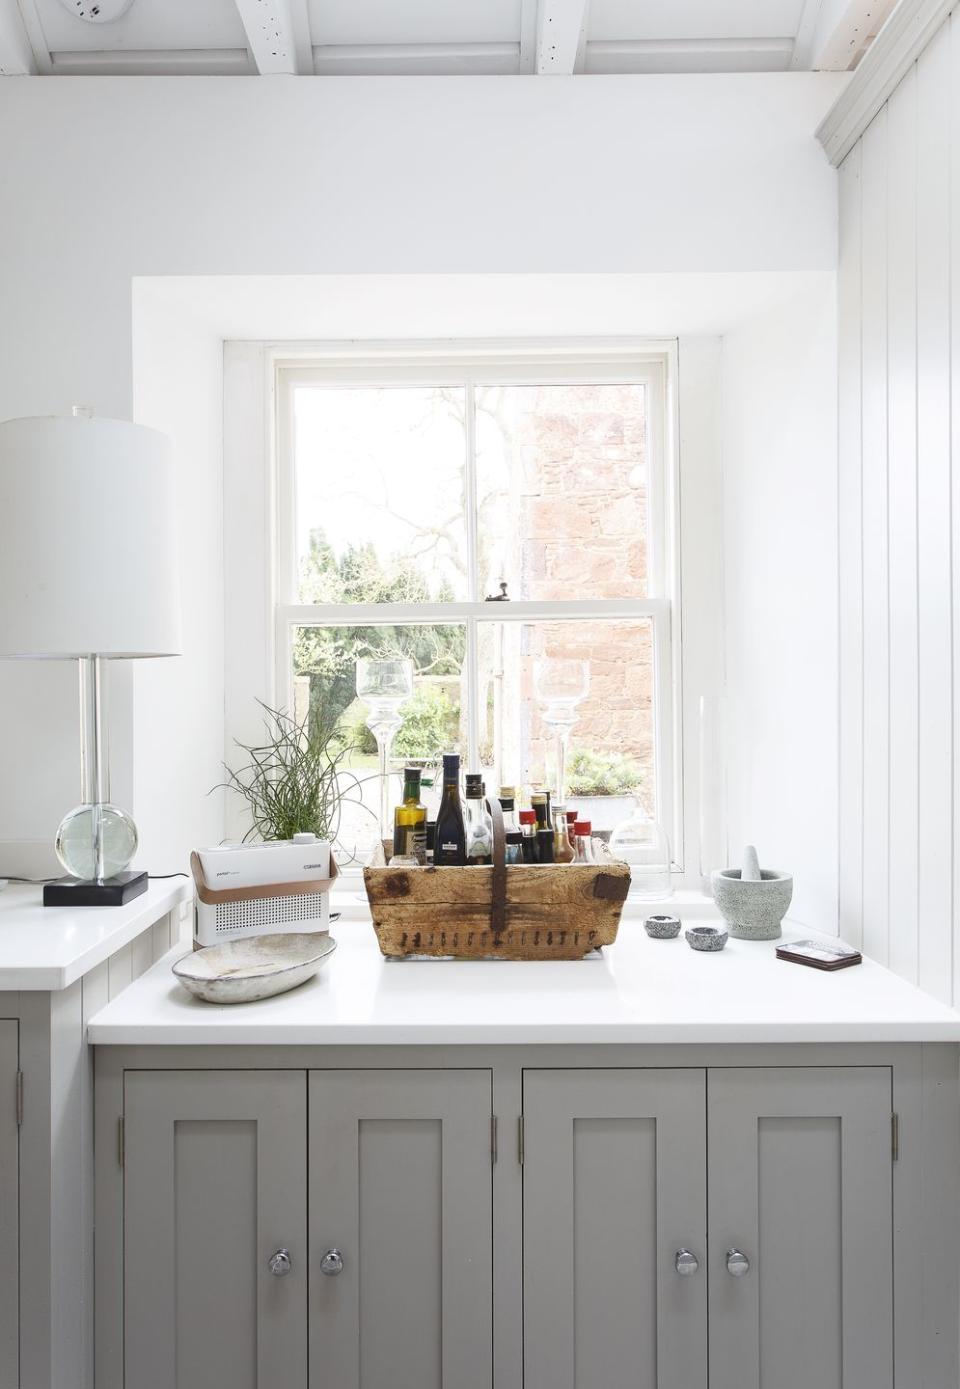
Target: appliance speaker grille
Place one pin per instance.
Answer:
(268, 911)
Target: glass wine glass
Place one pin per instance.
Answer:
(560, 685)
(385, 686)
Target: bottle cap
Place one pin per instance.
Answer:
(451, 764)
(506, 802)
(508, 793)
(474, 784)
(583, 827)
(527, 817)
(538, 797)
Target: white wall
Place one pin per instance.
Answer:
(780, 595)
(900, 526)
(109, 179)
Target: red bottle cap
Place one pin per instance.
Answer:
(582, 827)
(528, 817)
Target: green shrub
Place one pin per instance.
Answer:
(602, 774)
(431, 724)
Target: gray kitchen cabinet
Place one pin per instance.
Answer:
(800, 1185)
(214, 1189)
(614, 1229)
(400, 1188)
(9, 1206)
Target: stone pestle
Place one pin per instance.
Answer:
(750, 872)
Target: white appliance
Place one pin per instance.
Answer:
(262, 889)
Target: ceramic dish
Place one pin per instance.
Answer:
(243, 971)
(706, 937)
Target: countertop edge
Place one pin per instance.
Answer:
(226, 1034)
(56, 978)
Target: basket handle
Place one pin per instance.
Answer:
(498, 897)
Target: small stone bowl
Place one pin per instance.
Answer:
(662, 927)
(753, 911)
(708, 938)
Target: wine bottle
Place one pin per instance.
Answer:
(478, 822)
(410, 819)
(450, 838)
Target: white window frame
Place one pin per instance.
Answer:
(445, 363)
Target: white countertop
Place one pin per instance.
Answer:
(50, 947)
(639, 991)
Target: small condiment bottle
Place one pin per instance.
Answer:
(528, 829)
(541, 808)
(544, 844)
(508, 801)
(583, 841)
(563, 850)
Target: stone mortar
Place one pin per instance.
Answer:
(752, 910)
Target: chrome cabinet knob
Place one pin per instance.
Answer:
(737, 1263)
(280, 1263)
(331, 1263)
(686, 1263)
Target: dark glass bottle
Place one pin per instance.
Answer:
(528, 829)
(450, 838)
(545, 846)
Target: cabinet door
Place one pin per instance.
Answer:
(800, 1183)
(400, 1185)
(214, 1184)
(9, 1209)
(613, 1189)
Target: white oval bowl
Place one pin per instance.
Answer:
(244, 971)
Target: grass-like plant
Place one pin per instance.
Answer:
(295, 781)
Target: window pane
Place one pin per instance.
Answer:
(324, 664)
(611, 763)
(562, 490)
(380, 493)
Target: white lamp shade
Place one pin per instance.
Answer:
(87, 539)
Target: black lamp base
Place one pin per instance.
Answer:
(111, 892)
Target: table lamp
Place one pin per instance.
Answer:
(88, 572)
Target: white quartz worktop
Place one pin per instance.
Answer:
(638, 991)
(50, 947)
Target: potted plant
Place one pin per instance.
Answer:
(602, 787)
(294, 781)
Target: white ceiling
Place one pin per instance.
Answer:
(391, 37)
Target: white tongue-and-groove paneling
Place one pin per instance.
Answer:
(899, 504)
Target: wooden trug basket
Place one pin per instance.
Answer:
(492, 911)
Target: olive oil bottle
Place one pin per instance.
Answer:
(410, 819)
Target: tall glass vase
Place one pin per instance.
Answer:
(560, 686)
(385, 686)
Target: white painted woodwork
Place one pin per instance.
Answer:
(561, 34)
(16, 55)
(400, 1183)
(621, 1154)
(800, 1180)
(9, 1207)
(278, 35)
(215, 1183)
(842, 31)
(899, 460)
(874, 540)
(910, 27)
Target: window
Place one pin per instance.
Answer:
(410, 489)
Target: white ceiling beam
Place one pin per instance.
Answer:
(278, 36)
(561, 36)
(16, 55)
(834, 34)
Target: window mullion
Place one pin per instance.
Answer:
(473, 575)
